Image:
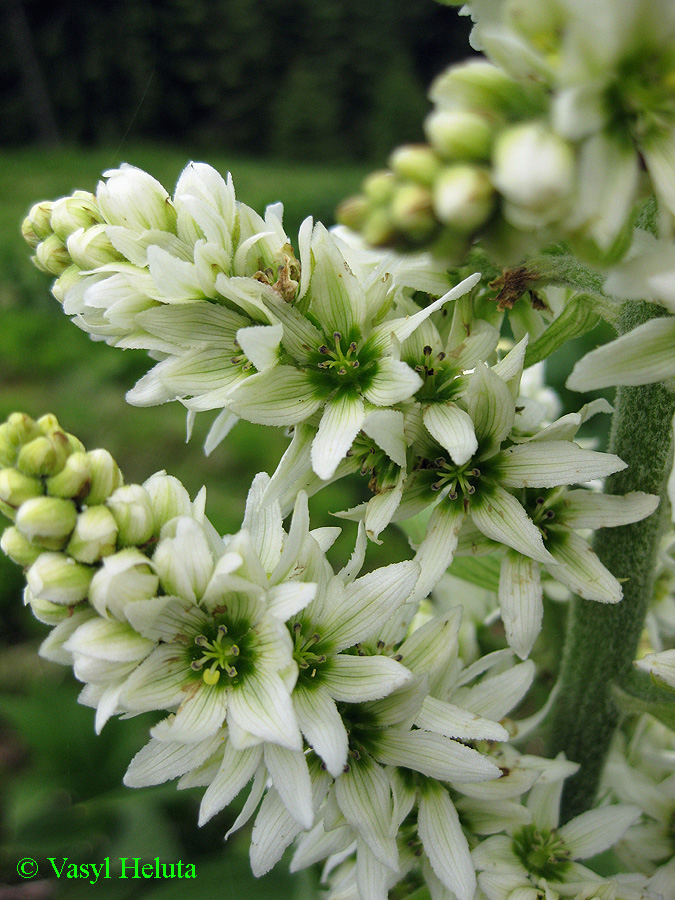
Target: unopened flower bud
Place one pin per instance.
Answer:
(91, 247)
(10, 444)
(47, 521)
(459, 134)
(44, 611)
(124, 577)
(17, 488)
(412, 211)
(132, 198)
(378, 229)
(18, 547)
(475, 85)
(51, 256)
(379, 186)
(415, 162)
(44, 455)
(72, 482)
(94, 535)
(105, 477)
(29, 234)
(168, 498)
(132, 509)
(183, 559)
(463, 197)
(534, 169)
(48, 423)
(59, 579)
(69, 214)
(353, 212)
(40, 219)
(65, 282)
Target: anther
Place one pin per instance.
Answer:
(337, 336)
(324, 349)
(470, 489)
(201, 641)
(436, 486)
(342, 371)
(441, 356)
(352, 346)
(452, 495)
(427, 350)
(222, 630)
(297, 627)
(234, 650)
(440, 461)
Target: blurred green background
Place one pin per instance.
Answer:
(299, 101)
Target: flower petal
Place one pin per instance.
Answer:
(455, 722)
(393, 382)
(433, 755)
(280, 396)
(235, 772)
(322, 726)
(598, 829)
(453, 429)
(160, 761)
(591, 509)
(353, 679)
(445, 843)
(643, 355)
(290, 776)
(369, 601)
(262, 706)
(340, 423)
(520, 601)
(364, 796)
(577, 567)
(501, 517)
(260, 343)
(552, 463)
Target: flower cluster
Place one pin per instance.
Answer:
(545, 141)
(381, 722)
(238, 323)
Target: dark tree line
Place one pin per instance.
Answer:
(312, 79)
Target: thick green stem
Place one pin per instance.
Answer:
(602, 639)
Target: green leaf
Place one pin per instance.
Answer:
(479, 570)
(577, 318)
(640, 694)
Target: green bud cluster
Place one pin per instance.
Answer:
(68, 236)
(72, 513)
(492, 168)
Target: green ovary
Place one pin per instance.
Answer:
(543, 853)
(220, 653)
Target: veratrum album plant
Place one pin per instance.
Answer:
(398, 726)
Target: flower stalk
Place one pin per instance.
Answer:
(602, 639)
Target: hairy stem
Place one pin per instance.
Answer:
(602, 639)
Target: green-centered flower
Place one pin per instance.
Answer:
(545, 853)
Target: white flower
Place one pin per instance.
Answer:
(544, 850)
